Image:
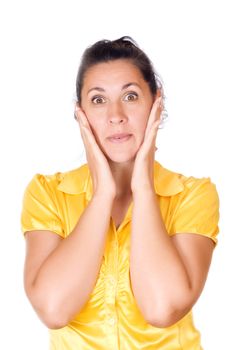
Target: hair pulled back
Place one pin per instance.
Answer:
(110, 50)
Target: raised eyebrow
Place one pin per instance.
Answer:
(125, 86)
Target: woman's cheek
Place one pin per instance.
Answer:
(143, 126)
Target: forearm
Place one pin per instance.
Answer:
(66, 279)
(159, 279)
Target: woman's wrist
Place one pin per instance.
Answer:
(104, 194)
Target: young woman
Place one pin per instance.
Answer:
(118, 250)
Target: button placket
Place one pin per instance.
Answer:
(111, 284)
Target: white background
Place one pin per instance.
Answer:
(190, 45)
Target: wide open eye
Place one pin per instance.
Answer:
(97, 98)
(133, 96)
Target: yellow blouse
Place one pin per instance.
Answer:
(111, 320)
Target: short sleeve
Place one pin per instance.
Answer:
(39, 211)
(198, 210)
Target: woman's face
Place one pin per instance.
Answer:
(116, 99)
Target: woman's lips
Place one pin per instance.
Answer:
(119, 138)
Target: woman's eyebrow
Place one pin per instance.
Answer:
(125, 86)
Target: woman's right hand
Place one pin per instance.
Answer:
(101, 174)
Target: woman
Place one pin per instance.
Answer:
(134, 240)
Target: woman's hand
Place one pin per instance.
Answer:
(143, 172)
(102, 179)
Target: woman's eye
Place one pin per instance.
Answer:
(132, 96)
(96, 98)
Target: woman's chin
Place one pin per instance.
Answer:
(120, 158)
(119, 154)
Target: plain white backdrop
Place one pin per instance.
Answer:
(189, 43)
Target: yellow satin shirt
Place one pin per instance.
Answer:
(111, 320)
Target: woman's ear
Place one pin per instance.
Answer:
(77, 105)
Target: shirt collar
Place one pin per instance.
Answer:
(76, 181)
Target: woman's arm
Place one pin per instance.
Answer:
(60, 285)
(167, 273)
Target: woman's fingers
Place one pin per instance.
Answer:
(154, 114)
(85, 127)
(98, 164)
(151, 138)
(81, 117)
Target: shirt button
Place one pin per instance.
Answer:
(111, 321)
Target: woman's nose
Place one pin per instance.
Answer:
(116, 113)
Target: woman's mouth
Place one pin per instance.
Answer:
(119, 138)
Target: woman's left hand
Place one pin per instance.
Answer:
(143, 172)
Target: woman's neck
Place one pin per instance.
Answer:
(122, 174)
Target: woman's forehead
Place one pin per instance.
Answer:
(117, 72)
